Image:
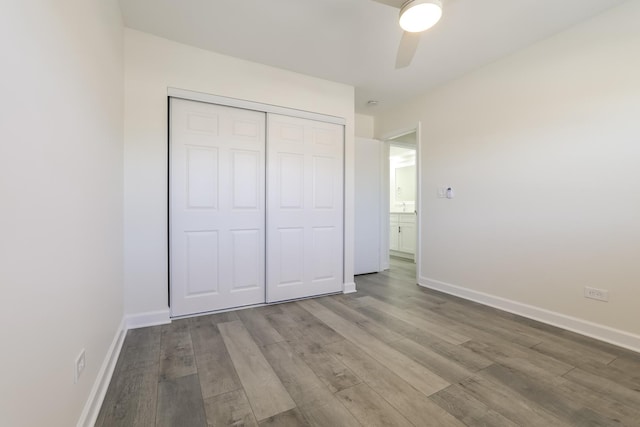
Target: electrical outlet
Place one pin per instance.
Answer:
(597, 294)
(79, 366)
(442, 192)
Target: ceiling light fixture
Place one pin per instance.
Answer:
(420, 15)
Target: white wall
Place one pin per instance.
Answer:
(542, 150)
(152, 65)
(364, 126)
(61, 189)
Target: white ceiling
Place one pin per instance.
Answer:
(355, 41)
(400, 153)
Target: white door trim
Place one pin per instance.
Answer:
(250, 105)
(386, 138)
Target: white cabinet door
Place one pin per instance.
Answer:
(407, 237)
(305, 208)
(394, 237)
(402, 234)
(217, 207)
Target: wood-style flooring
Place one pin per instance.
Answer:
(393, 354)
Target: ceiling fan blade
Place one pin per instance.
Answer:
(407, 49)
(393, 3)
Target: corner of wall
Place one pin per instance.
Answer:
(150, 318)
(92, 407)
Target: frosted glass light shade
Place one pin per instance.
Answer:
(420, 15)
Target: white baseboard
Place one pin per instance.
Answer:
(349, 288)
(150, 318)
(96, 397)
(99, 390)
(583, 327)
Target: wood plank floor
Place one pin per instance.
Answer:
(393, 354)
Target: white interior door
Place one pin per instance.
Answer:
(217, 207)
(305, 208)
(368, 205)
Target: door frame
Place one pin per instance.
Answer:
(263, 108)
(190, 95)
(386, 138)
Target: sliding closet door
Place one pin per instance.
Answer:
(304, 208)
(217, 200)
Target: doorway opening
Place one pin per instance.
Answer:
(402, 195)
(387, 203)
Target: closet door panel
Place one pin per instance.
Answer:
(289, 260)
(217, 207)
(323, 242)
(202, 263)
(247, 254)
(247, 183)
(290, 191)
(304, 208)
(202, 181)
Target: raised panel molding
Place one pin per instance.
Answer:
(324, 242)
(323, 173)
(202, 180)
(291, 133)
(324, 137)
(245, 128)
(202, 262)
(291, 180)
(202, 123)
(291, 257)
(246, 260)
(246, 179)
